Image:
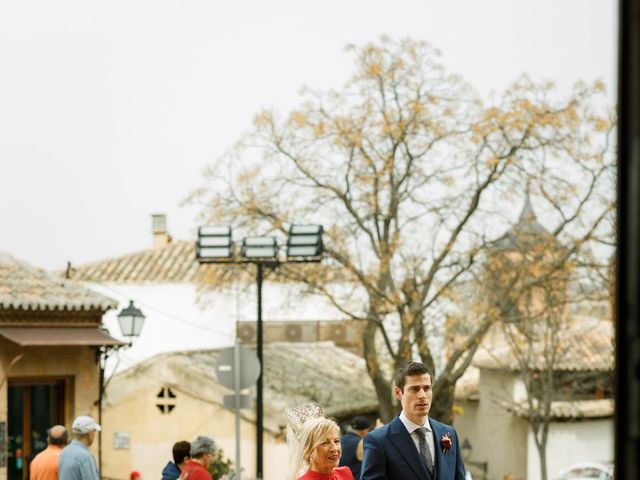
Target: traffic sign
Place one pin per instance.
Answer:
(249, 368)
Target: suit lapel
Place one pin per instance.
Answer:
(401, 439)
(439, 431)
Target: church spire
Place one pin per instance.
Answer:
(527, 229)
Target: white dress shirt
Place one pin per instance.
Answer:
(412, 427)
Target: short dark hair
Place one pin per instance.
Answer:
(410, 369)
(61, 439)
(180, 451)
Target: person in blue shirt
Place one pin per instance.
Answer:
(76, 462)
(180, 451)
(352, 444)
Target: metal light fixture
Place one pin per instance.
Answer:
(131, 320)
(259, 247)
(304, 243)
(214, 244)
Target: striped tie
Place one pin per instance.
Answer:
(425, 453)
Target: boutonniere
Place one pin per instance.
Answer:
(446, 442)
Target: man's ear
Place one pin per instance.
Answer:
(397, 392)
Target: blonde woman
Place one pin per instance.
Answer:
(318, 451)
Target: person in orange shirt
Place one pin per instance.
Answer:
(44, 465)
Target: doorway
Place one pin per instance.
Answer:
(34, 406)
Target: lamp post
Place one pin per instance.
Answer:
(466, 450)
(215, 245)
(131, 320)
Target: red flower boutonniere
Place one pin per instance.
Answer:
(446, 442)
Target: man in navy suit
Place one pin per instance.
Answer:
(413, 446)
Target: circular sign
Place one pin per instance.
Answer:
(249, 367)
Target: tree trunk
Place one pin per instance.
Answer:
(386, 409)
(442, 405)
(543, 461)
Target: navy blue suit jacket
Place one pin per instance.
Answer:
(390, 454)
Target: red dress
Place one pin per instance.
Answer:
(340, 473)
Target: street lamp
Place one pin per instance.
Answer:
(131, 320)
(466, 450)
(215, 245)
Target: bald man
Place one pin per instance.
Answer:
(44, 465)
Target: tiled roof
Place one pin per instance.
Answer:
(569, 410)
(585, 345)
(25, 287)
(175, 262)
(297, 373)
(294, 374)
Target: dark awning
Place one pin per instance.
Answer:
(34, 336)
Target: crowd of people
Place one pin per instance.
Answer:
(72, 460)
(412, 446)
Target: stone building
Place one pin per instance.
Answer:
(50, 344)
(176, 396)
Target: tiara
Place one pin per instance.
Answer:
(298, 415)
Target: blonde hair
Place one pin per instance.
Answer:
(314, 431)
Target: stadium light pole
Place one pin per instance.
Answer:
(215, 245)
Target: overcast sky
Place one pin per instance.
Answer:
(109, 111)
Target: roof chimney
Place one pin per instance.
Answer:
(159, 228)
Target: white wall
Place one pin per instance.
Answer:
(176, 320)
(502, 435)
(569, 443)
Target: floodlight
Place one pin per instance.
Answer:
(304, 243)
(259, 247)
(214, 243)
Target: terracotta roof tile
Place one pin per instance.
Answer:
(176, 262)
(568, 410)
(23, 286)
(585, 345)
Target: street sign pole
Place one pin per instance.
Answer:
(237, 368)
(236, 385)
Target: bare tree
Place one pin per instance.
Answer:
(411, 174)
(536, 285)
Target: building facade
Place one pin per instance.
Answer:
(50, 346)
(176, 396)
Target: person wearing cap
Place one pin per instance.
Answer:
(352, 444)
(76, 462)
(202, 454)
(44, 466)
